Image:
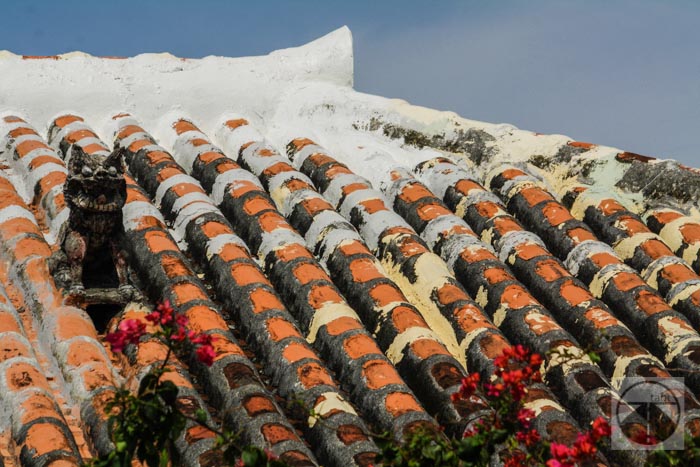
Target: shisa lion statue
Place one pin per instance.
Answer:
(95, 193)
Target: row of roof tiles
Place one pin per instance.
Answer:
(367, 310)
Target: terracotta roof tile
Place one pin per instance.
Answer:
(251, 298)
(61, 327)
(680, 232)
(368, 301)
(673, 339)
(323, 315)
(572, 304)
(361, 279)
(312, 164)
(192, 445)
(508, 302)
(642, 249)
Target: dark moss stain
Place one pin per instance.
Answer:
(563, 156)
(540, 161)
(472, 143)
(567, 152)
(661, 180)
(587, 168)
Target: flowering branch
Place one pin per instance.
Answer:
(507, 433)
(171, 330)
(145, 425)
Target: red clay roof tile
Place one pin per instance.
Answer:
(321, 273)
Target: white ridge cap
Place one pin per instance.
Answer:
(150, 85)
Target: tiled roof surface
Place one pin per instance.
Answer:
(364, 302)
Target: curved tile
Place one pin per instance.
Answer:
(37, 424)
(640, 248)
(322, 312)
(196, 445)
(402, 334)
(680, 232)
(90, 376)
(293, 364)
(232, 379)
(586, 317)
(667, 333)
(152, 254)
(579, 383)
(317, 164)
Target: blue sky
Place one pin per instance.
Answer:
(623, 73)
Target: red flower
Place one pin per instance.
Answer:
(117, 340)
(584, 447)
(206, 354)
(528, 438)
(516, 352)
(181, 320)
(201, 339)
(517, 459)
(518, 391)
(601, 428)
(514, 376)
(179, 335)
(165, 312)
(494, 390)
(535, 360)
(153, 317)
(517, 368)
(555, 463)
(501, 361)
(472, 431)
(525, 416)
(133, 328)
(560, 451)
(468, 387)
(128, 332)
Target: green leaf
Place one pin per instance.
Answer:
(164, 458)
(201, 415)
(252, 456)
(148, 383)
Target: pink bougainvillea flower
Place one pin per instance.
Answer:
(133, 328)
(179, 335)
(525, 416)
(467, 388)
(600, 428)
(528, 438)
(201, 339)
(164, 312)
(129, 331)
(494, 390)
(117, 341)
(153, 317)
(206, 354)
(516, 459)
(584, 447)
(560, 451)
(181, 320)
